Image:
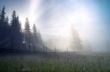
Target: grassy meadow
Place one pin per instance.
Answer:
(62, 63)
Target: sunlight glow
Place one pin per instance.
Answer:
(31, 13)
(83, 18)
(59, 21)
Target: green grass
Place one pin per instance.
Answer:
(81, 64)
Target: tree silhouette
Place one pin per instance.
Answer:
(34, 36)
(4, 26)
(37, 41)
(16, 35)
(28, 35)
(12, 37)
(2, 15)
(75, 40)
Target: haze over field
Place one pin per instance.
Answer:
(54, 35)
(60, 20)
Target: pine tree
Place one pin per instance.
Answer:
(28, 35)
(37, 40)
(34, 30)
(75, 40)
(16, 35)
(2, 15)
(34, 37)
(7, 20)
(4, 37)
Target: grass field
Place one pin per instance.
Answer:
(34, 63)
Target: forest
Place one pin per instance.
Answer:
(14, 38)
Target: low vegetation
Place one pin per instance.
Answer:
(59, 64)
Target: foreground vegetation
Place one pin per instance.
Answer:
(33, 63)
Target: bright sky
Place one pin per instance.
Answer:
(54, 18)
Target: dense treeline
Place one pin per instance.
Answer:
(12, 37)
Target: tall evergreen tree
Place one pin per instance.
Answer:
(7, 20)
(34, 36)
(75, 40)
(28, 35)
(16, 35)
(3, 29)
(37, 41)
(2, 15)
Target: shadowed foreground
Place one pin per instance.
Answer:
(64, 62)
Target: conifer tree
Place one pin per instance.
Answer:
(28, 35)
(75, 40)
(2, 15)
(4, 37)
(37, 40)
(16, 35)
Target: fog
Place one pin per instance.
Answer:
(58, 18)
(66, 24)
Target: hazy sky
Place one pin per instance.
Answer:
(54, 18)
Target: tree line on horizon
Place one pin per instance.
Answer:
(12, 37)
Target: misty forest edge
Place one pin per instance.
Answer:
(15, 39)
